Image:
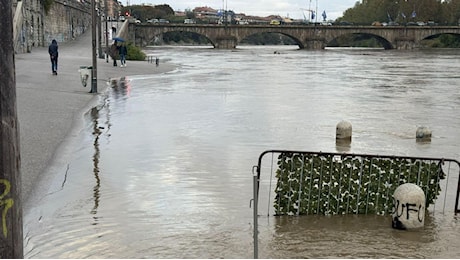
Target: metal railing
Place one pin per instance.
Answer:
(305, 183)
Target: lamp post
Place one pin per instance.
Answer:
(226, 13)
(106, 33)
(316, 12)
(93, 43)
(99, 29)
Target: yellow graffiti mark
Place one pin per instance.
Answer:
(6, 204)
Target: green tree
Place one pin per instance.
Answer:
(135, 53)
(443, 12)
(145, 12)
(190, 14)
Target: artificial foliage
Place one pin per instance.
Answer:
(330, 184)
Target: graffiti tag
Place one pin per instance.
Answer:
(6, 204)
(401, 208)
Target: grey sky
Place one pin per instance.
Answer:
(291, 8)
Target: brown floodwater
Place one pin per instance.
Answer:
(161, 167)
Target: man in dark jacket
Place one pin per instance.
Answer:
(123, 51)
(53, 51)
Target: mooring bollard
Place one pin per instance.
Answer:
(343, 131)
(409, 207)
(423, 134)
(150, 58)
(343, 136)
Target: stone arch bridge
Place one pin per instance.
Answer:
(306, 36)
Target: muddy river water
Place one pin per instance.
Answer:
(161, 167)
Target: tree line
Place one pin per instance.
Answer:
(145, 12)
(441, 12)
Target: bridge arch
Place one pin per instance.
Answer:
(193, 36)
(297, 41)
(149, 35)
(381, 40)
(432, 34)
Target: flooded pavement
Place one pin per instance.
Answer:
(162, 166)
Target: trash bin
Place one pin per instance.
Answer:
(85, 73)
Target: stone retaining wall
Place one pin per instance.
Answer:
(66, 20)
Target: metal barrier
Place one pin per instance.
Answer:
(303, 183)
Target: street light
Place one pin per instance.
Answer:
(316, 12)
(106, 33)
(226, 13)
(93, 43)
(99, 27)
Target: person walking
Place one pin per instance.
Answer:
(123, 51)
(114, 50)
(53, 51)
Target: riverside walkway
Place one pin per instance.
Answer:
(50, 108)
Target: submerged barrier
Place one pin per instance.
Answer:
(303, 183)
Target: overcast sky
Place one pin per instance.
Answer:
(291, 8)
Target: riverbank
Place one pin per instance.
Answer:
(50, 108)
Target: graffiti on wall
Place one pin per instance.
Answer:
(5, 203)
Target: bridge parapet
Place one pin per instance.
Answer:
(309, 37)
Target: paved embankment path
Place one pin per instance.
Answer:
(51, 107)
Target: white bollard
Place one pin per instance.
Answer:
(423, 134)
(409, 207)
(343, 136)
(343, 131)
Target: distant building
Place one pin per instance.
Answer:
(206, 13)
(113, 8)
(180, 13)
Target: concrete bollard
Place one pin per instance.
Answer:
(343, 131)
(423, 134)
(409, 207)
(343, 136)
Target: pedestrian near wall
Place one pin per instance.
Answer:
(114, 52)
(123, 51)
(53, 51)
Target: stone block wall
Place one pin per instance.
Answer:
(66, 20)
(28, 19)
